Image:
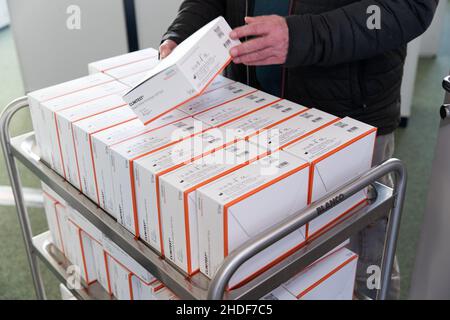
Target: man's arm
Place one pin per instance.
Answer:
(342, 35)
(192, 15)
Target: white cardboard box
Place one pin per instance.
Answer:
(132, 73)
(218, 93)
(65, 120)
(56, 97)
(264, 119)
(70, 101)
(87, 246)
(125, 63)
(231, 111)
(74, 99)
(165, 294)
(238, 206)
(178, 199)
(76, 238)
(190, 68)
(294, 129)
(337, 153)
(330, 278)
(102, 142)
(55, 212)
(124, 154)
(149, 169)
(127, 280)
(82, 136)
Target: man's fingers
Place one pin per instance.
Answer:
(164, 51)
(166, 48)
(256, 19)
(250, 46)
(254, 56)
(254, 29)
(265, 62)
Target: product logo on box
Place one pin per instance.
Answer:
(330, 204)
(132, 103)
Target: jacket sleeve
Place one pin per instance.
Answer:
(342, 35)
(192, 15)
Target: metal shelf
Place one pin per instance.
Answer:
(23, 148)
(58, 264)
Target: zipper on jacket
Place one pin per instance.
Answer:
(247, 68)
(284, 71)
(362, 90)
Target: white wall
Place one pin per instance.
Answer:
(153, 18)
(409, 76)
(49, 52)
(4, 16)
(431, 39)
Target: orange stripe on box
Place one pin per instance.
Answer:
(134, 200)
(148, 131)
(159, 174)
(105, 257)
(79, 227)
(186, 205)
(59, 146)
(249, 194)
(268, 266)
(80, 237)
(79, 90)
(87, 101)
(335, 221)
(310, 133)
(76, 159)
(156, 289)
(52, 198)
(158, 206)
(285, 119)
(224, 103)
(130, 285)
(327, 276)
(59, 227)
(248, 113)
(99, 112)
(93, 167)
(326, 155)
(128, 63)
(187, 233)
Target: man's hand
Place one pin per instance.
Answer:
(166, 48)
(269, 45)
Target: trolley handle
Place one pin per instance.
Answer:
(270, 236)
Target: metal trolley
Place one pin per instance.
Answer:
(386, 203)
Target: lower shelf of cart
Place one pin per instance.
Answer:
(58, 264)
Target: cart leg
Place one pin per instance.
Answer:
(14, 177)
(392, 232)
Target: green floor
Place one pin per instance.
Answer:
(415, 145)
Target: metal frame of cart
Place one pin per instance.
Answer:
(386, 203)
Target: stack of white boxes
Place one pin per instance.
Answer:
(96, 257)
(319, 280)
(198, 182)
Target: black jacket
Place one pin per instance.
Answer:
(335, 62)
